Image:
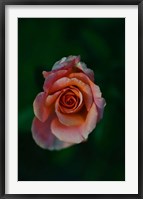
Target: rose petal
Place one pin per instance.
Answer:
(58, 64)
(76, 92)
(71, 119)
(89, 73)
(40, 108)
(86, 70)
(66, 62)
(95, 89)
(67, 82)
(99, 101)
(43, 105)
(43, 136)
(65, 133)
(52, 78)
(73, 64)
(52, 98)
(75, 134)
(46, 74)
(90, 122)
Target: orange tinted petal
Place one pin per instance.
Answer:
(73, 91)
(52, 98)
(76, 134)
(90, 122)
(43, 105)
(99, 101)
(71, 119)
(67, 82)
(95, 89)
(67, 134)
(52, 78)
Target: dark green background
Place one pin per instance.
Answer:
(101, 45)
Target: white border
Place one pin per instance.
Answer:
(130, 185)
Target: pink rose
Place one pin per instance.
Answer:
(70, 106)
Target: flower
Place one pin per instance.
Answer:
(69, 107)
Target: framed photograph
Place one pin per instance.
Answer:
(71, 99)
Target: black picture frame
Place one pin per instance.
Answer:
(3, 3)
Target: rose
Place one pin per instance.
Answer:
(70, 106)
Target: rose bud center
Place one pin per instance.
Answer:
(70, 100)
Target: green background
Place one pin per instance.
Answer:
(101, 45)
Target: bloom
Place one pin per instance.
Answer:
(69, 107)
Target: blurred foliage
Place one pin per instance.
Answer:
(101, 44)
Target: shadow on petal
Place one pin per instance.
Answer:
(43, 136)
